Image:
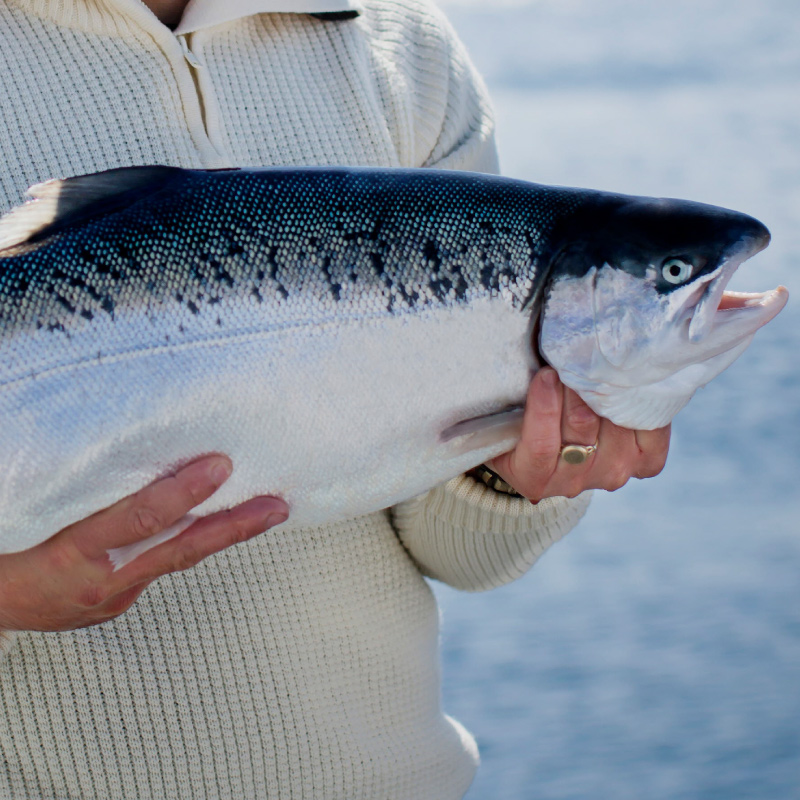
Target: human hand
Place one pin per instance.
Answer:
(69, 581)
(556, 416)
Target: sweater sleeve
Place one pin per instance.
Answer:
(465, 139)
(473, 538)
(436, 106)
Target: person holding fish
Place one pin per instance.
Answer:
(305, 662)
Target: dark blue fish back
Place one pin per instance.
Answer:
(392, 240)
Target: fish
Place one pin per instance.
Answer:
(350, 337)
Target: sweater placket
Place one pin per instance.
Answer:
(205, 101)
(184, 54)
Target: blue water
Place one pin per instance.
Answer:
(655, 652)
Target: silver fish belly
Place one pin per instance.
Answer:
(323, 327)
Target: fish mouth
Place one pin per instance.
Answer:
(733, 300)
(751, 310)
(731, 316)
(739, 315)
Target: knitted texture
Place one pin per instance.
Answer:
(474, 539)
(304, 663)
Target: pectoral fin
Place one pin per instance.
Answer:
(487, 430)
(120, 556)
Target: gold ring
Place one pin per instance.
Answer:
(577, 453)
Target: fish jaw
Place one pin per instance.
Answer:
(648, 406)
(739, 316)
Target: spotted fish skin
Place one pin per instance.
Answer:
(349, 337)
(234, 248)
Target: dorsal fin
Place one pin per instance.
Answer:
(62, 202)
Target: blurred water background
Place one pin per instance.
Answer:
(655, 652)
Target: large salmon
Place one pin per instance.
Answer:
(350, 337)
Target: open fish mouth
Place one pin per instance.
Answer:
(739, 300)
(737, 315)
(722, 314)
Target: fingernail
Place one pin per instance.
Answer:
(550, 378)
(268, 511)
(276, 519)
(220, 471)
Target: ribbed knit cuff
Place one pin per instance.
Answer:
(473, 538)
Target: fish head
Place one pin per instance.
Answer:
(635, 316)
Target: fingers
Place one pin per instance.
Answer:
(623, 454)
(580, 425)
(104, 594)
(653, 447)
(151, 510)
(616, 458)
(556, 415)
(541, 426)
(200, 540)
(531, 464)
(205, 537)
(68, 581)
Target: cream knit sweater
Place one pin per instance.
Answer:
(303, 664)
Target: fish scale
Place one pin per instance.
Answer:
(349, 337)
(344, 235)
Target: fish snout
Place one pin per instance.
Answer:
(759, 235)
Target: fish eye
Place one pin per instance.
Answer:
(676, 270)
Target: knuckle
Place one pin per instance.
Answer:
(195, 494)
(616, 479)
(120, 603)
(581, 418)
(144, 522)
(187, 557)
(651, 469)
(93, 595)
(62, 558)
(191, 489)
(241, 532)
(657, 465)
(199, 480)
(574, 488)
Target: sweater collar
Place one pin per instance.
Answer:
(206, 13)
(114, 17)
